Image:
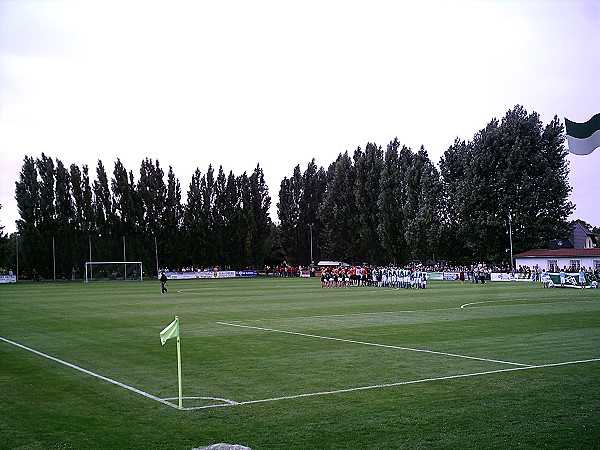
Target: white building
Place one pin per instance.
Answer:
(554, 260)
(580, 249)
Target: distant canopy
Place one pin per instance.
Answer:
(583, 138)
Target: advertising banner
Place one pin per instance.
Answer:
(572, 280)
(8, 279)
(437, 276)
(246, 273)
(210, 274)
(451, 276)
(511, 277)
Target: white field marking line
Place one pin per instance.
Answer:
(324, 316)
(227, 402)
(401, 383)
(88, 372)
(527, 299)
(373, 344)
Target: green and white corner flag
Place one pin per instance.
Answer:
(583, 138)
(171, 330)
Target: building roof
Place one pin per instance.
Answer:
(583, 229)
(580, 236)
(561, 252)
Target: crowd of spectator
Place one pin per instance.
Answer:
(475, 272)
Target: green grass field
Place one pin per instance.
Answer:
(282, 364)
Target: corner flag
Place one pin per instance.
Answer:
(172, 330)
(583, 138)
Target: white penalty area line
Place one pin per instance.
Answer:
(400, 383)
(89, 372)
(526, 300)
(374, 344)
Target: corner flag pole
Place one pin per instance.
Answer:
(179, 367)
(172, 330)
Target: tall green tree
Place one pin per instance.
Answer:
(219, 219)
(233, 221)
(208, 202)
(33, 247)
(152, 196)
(103, 204)
(421, 212)
(27, 193)
(196, 222)
(82, 198)
(173, 210)
(392, 200)
(256, 211)
(288, 211)
(126, 201)
(65, 211)
(368, 166)
(337, 212)
(512, 168)
(46, 172)
(170, 241)
(262, 201)
(314, 183)
(300, 197)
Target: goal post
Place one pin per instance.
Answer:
(113, 270)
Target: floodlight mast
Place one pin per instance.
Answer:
(510, 238)
(312, 261)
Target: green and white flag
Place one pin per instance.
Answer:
(583, 138)
(171, 330)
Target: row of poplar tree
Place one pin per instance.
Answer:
(377, 205)
(395, 205)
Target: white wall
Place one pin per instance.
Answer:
(542, 262)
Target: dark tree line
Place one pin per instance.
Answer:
(69, 219)
(395, 205)
(376, 205)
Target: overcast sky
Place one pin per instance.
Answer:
(277, 83)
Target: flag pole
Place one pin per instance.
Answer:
(179, 366)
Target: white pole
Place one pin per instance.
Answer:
(179, 367)
(124, 259)
(312, 261)
(17, 238)
(53, 260)
(156, 253)
(510, 237)
(86, 266)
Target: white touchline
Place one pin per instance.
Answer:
(374, 344)
(88, 372)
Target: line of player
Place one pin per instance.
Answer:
(389, 277)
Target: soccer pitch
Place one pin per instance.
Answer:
(280, 363)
